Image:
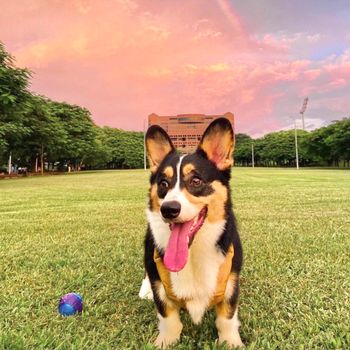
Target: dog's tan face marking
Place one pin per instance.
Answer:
(218, 200)
(215, 202)
(155, 202)
(168, 172)
(187, 169)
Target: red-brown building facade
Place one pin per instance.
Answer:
(186, 130)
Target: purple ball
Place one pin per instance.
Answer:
(70, 304)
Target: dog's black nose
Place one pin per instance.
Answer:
(170, 209)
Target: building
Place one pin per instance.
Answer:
(186, 130)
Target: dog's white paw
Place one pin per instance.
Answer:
(169, 330)
(146, 290)
(164, 340)
(228, 330)
(233, 340)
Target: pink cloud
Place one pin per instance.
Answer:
(312, 74)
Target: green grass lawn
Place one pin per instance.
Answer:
(84, 233)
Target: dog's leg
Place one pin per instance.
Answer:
(170, 328)
(228, 330)
(227, 322)
(170, 325)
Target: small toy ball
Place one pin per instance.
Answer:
(70, 304)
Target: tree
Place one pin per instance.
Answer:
(126, 148)
(13, 103)
(339, 141)
(47, 137)
(330, 144)
(80, 130)
(243, 149)
(278, 148)
(102, 154)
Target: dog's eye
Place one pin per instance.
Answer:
(164, 184)
(196, 181)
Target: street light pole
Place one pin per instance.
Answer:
(296, 144)
(253, 155)
(10, 164)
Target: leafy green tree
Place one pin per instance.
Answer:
(330, 144)
(47, 138)
(278, 149)
(102, 154)
(126, 148)
(80, 131)
(243, 149)
(13, 103)
(339, 141)
(317, 147)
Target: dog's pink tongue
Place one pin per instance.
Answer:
(176, 252)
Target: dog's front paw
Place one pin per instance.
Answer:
(228, 330)
(170, 328)
(164, 340)
(233, 340)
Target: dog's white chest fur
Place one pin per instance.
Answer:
(197, 281)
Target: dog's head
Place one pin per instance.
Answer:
(187, 190)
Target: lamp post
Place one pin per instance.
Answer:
(10, 164)
(303, 109)
(296, 144)
(253, 163)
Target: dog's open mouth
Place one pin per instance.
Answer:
(181, 237)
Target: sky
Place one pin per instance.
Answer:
(125, 59)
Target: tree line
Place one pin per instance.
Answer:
(326, 146)
(37, 132)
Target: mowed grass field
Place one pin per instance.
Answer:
(84, 233)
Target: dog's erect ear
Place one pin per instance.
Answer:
(158, 145)
(218, 143)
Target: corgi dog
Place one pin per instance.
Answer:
(193, 253)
